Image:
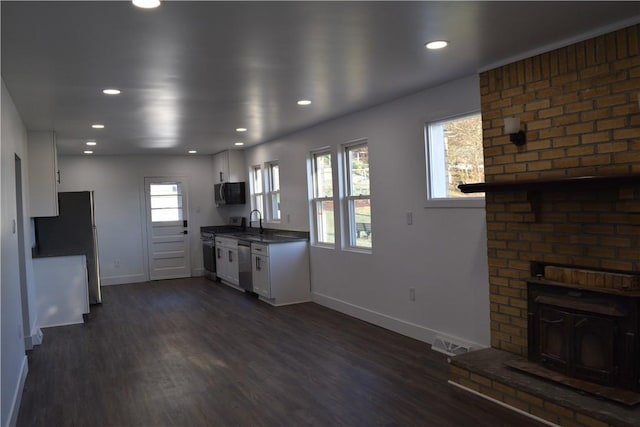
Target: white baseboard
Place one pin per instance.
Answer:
(388, 322)
(501, 403)
(394, 324)
(198, 272)
(124, 279)
(137, 278)
(17, 395)
(55, 325)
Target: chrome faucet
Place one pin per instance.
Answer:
(259, 219)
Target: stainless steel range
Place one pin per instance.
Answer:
(208, 236)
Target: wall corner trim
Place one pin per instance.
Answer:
(34, 339)
(12, 419)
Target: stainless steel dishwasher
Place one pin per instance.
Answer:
(208, 254)
(244, 265)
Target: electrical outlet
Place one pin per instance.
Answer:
(116, 263)
(409, 218)
(412, 294)
(288, 217)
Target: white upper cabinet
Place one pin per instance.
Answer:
(228, 166)
(44, 175)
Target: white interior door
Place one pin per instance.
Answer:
(167, 228)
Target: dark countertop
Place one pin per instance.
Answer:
(269, 235)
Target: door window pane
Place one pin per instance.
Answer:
(166, 202)
(165, 189)
(165, 215)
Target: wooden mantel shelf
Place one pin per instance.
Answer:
(554, 184)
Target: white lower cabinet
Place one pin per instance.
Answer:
(280, 272)
(227, 260)
(260, 275)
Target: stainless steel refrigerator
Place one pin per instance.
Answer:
(72, 232)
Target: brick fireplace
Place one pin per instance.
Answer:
(569, 197)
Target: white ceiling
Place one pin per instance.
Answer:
(192, 72)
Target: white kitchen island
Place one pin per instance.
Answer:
(62, 292)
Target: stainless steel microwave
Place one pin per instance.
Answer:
(230, 193)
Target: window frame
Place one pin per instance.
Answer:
(272, 194)
(316, 200)
(256, 170)
(475, 201)
(349, 237)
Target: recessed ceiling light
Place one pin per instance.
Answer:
(91, 143)
(238, 143)
(146, 4)
(436, 44)
(241, 129)
(304, 102)
(88, 152)
(97, 126)
(192, 151)
(111, 91)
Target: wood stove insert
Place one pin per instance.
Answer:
(586, 334)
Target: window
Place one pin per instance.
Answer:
(273, 195)
(322, 203)
(257, 198)
(454, 156)
(357, 196)
(166, 202)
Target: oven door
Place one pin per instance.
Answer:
(209, 256)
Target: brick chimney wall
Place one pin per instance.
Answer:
(580, 108)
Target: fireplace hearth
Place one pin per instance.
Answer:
(588, 336)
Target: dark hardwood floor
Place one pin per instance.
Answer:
(194, 353)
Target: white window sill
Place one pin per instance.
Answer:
(358, 250)
(456, 203)
(323, 245)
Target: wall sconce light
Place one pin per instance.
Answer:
(512, 127)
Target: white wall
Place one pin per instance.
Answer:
(13, 142)
(442, 255)
(118, 183)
